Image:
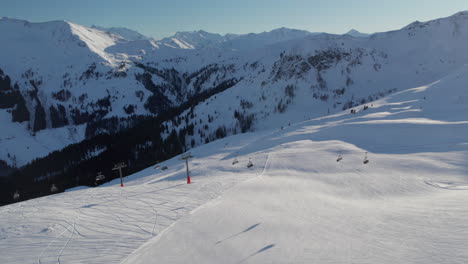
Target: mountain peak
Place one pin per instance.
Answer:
(126, 33)
(285, 30)
(25, 22)
(199, 32)
(453, 20)
(355, 33)
(462, 13)
(36, 39)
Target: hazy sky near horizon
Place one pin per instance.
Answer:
(159, 19)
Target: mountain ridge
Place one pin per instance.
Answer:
(126, 33)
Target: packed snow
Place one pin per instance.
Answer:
(309, 198)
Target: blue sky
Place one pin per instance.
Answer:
(163, 18)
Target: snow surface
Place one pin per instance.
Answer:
(296, 205)
(125, 33)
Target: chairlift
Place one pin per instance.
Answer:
(366, 160)
(235, 161)
(100, 177)
(16, 195)
(250, 164)
(339, 158)
(53, 189)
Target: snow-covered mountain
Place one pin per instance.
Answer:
(193, 40)
(68, 75)
(322, 74)
(202, 39)
(355, 33)
(125, 33)
(316, 198)
(62, 83)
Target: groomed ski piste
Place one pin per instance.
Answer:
(297, 204)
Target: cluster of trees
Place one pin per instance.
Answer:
(244, 120)
(58, 116)
(6, 185)
(62, 95)
(289, 92)
(157, 102)
(352, 102)
(139, 147)
(289, 66)
(140, 144)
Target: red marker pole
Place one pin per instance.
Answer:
(188, 175)
(186, 157)
(119, 167)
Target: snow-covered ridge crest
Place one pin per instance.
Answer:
(39, 43)
(96, 40)
(125, 33)
(202, 39)
(456, 19)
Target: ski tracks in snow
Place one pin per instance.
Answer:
(105, 224)
(448, 185)
(73, 231)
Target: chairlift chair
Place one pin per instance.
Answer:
(250, 164)
(53, 189)
(339, 158)
(366, 160)
(16, 195)
(100, 177)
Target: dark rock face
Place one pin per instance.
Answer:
(58, 116)
(11, 98)
(21, 112)
(129, 109)
(39, 118)
(157, 102)
(62, 95)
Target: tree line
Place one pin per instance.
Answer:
(139, 146)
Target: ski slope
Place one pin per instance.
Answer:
(106, 223)
(297, 204)
(290, 215)
(407, 205)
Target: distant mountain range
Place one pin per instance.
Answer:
(202, 39)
